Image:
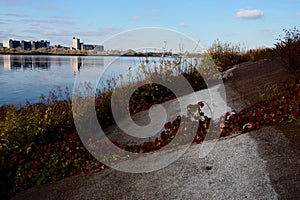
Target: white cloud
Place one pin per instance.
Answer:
(51, 32)
(298, 13)
(15, 15)
(37, 22)
(100, 32)
(10, 35)
(183, 25)
(249, 14)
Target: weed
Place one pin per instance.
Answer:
(226, 55)
(288, 47)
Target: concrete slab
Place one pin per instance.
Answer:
(256, 165)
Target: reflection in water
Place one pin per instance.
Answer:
(78, 62)
(12, 62)
(25, 77)
(59, 60)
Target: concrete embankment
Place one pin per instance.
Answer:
(262, 164)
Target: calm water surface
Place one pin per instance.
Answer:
(25, 77)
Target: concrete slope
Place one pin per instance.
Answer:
(257, 165)
(263, 164)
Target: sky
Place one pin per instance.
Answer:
(252, 23)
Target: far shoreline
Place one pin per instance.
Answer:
(74, 54)
(45, 52)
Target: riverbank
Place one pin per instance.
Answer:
(63, 52)
(251, 165)
(256, 165)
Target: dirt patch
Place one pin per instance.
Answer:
(292, 132)
(258, 81)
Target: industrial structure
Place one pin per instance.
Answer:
(32, 45)
(26, 45)
(77, 45)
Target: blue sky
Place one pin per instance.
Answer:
(256, 23)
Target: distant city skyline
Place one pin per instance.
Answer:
(250, 22)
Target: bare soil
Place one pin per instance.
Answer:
(258, 81)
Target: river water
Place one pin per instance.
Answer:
(26, 77)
